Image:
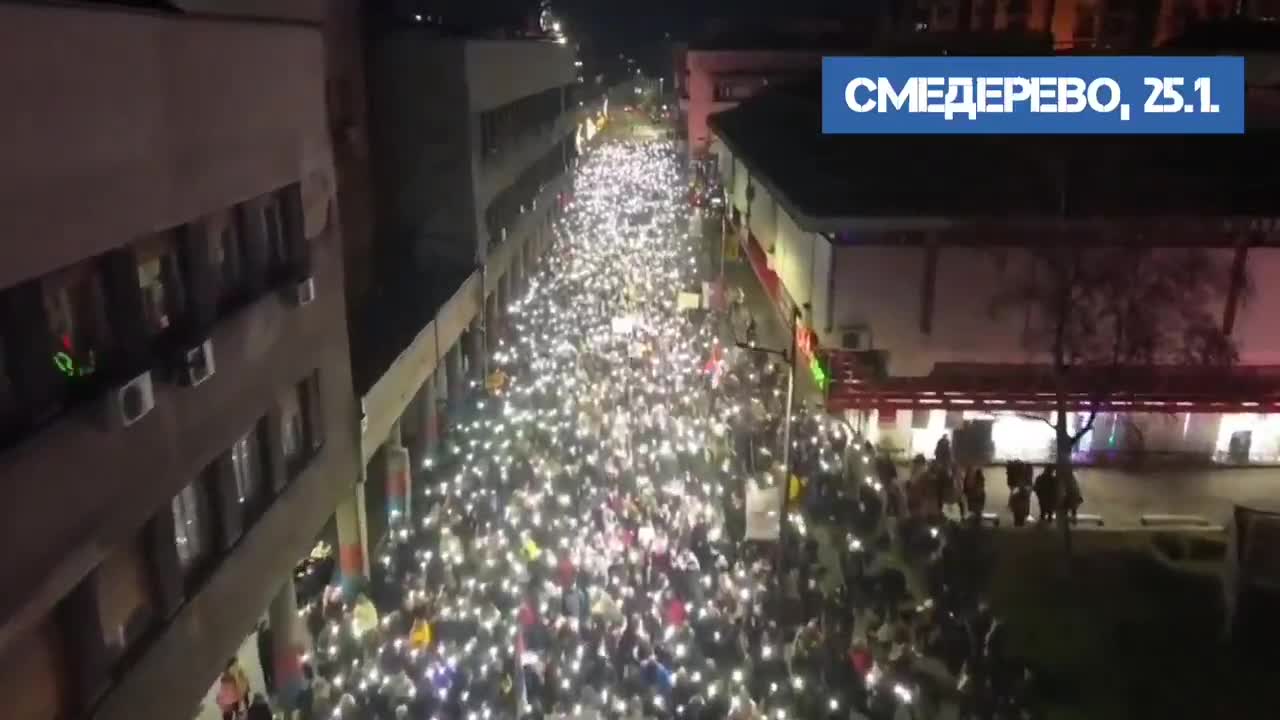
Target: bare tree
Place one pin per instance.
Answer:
(1103, 316)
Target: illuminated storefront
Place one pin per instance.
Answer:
(1192, 417)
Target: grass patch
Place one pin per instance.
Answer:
(1122, 636)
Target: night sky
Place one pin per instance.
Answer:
(640, 28)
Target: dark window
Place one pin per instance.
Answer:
(1086, 22)
(276, 236)
(248, 469)
(313, 411)
(193, 527)
(75, 307)
(227, 251)
(160, 279)
(520, 197)
(506, 125)
(125, 607)
(293, 431)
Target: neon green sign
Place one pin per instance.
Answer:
(819, 373)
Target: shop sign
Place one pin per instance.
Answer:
(808, 351)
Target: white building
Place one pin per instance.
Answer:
(895, 248)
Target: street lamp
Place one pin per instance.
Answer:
(789, 357)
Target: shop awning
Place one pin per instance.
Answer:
(1031, 388)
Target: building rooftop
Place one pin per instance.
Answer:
(822, 178)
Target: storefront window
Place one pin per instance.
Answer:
(192, 526)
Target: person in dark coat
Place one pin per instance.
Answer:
(259, 709)
(1046, 489)
(975, 493)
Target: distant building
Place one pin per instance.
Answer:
(732, 62)
(892, 248)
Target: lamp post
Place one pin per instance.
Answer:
(784, 503)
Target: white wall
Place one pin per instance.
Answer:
(882, 286)
(764, 216)
(739, 192)
(793, 258)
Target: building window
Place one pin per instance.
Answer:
(192, 527)
(125, 607)
(1086, 22)
(159, 277)
(227, 251)
(313, 412)
(248, 469)
(293, 434)
(277, 238)
(75, 306)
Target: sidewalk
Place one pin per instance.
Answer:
(1121, 497)
(771, 331)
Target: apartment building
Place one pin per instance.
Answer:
(175, 393)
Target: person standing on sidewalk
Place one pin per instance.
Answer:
(1046, 489)
(975, 493)
(1071, 497)
(228, 697)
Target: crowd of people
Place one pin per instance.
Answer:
(590, 540)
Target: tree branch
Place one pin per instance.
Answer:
(1027, 416)
(1088, 425)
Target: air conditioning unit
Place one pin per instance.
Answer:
(304, 292)
(128, 403)
(197, 364)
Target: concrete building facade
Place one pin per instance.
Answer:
(461, 155)
(175, 390)
(470, 159)
(714, 80)
(904, 266)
